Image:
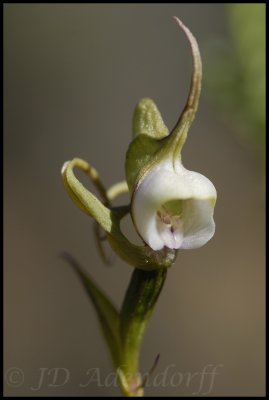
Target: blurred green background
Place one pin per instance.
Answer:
(72, 76)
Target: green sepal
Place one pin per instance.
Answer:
(148, 130)
(147, 120)
(109, 219)
(106, 312)
(151, 134)
(82, 197)
(139, 154)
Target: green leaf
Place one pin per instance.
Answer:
(106, 312)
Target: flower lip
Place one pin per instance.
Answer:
(189, 223)
(170, 228)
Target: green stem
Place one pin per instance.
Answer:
(138, 305)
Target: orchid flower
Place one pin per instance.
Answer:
(171, 206)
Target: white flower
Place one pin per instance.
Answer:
(173, 207)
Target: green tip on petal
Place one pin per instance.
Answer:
(147, 120)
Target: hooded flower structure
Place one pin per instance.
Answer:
(173, 207)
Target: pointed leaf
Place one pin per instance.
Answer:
(106, 312)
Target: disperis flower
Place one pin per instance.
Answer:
(173, 207)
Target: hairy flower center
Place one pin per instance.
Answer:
(170, 228)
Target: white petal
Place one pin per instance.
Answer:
(178, 235)
(164, 183)
(167, 237)
(199, 225)
(153, 191)
(199, 185)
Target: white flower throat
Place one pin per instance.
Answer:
(170, 228)
(173, 207)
